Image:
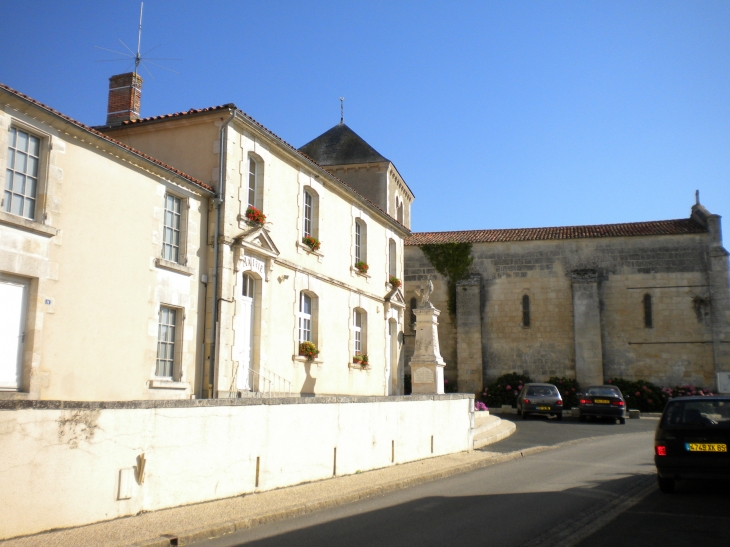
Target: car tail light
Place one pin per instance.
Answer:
(660, 450)
(527, 401)
(559, 403)
(586, 402)
(618, 403)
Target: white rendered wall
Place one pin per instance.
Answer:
(60, 467)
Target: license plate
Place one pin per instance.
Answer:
(601, 401)
(703, 447)
(543, 408)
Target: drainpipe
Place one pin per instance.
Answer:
(218, 200)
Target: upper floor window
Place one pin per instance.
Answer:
(252, 178)
(308, 227)
(525, 310)
(399, 210)
(392, 259)
(171, 239)
(21, 177)
(305, 317)
(648, 319)
(361, 231)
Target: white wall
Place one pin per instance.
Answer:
(60, 467)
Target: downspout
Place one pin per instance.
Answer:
(218, 200)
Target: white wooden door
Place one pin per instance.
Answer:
(13, 296)
(389, 358)
(245, 318)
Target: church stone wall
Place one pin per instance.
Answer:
(673, 270)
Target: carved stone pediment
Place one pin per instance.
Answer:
(395, 298)
(258, 240)
(255, 250)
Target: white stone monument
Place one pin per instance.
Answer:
(427, 365)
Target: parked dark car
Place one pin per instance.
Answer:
(540, 399)
(692, 439)
(602, 402)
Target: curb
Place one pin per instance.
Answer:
(228, 527)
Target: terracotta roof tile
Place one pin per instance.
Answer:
(653, 228)
(106, 138)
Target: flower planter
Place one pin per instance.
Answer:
(395, 282)
(362, 267)
(254, 216)
(312, 242)
(308, 350)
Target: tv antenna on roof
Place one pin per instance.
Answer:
(138, 58)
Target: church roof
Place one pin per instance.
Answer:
(341, 146)
(652, 228)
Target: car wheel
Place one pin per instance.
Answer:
(524, 415)
(559, 416)
(582, 418)
(622, 421)
(666, 485)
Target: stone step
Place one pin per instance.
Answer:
(484, 423)
(502, 430)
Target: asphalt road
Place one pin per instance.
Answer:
(539, 500)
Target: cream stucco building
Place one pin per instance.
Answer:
(124, 277)
(86, 269)
(274, 291)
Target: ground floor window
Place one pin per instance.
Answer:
(166, 342)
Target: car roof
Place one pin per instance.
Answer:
(602, 385)
(536, 384)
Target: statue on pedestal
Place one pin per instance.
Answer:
(427, 365)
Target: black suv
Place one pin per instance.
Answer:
(692, 439)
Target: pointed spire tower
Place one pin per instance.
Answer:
(350, 158)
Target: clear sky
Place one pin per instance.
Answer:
(498, 114)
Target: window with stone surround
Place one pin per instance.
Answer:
(21, 174)
(310, 213)
(526, 311)
(361, 241)
(392, 259)
(307, 317)
(360, 329)
(169, 342)
(173, 231)
(648, 319)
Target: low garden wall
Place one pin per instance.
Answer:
(72, 463)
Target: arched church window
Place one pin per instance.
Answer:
(526, 310)
(648, 319)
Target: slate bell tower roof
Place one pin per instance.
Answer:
(341, 146)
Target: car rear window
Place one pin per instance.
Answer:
(542, 391)
(712, 413)
(605, 391)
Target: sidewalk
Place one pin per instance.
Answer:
(184, 525)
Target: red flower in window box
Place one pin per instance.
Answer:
(395, 281)
(311, 242)
(255, 216)
(362, 267)
(308, 350)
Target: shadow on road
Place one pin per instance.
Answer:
(500, 520)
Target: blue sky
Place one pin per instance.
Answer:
(497, 114)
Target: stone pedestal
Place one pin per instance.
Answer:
(427, 366)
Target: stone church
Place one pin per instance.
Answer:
(644, 300)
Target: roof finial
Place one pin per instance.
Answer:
(697, 197)
(342, 110)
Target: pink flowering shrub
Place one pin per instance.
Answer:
(480, 406)
(504, 390)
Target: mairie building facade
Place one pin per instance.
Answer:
(190, 256)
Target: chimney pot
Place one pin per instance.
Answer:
(125, 94)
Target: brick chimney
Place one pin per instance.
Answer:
(125, 93)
